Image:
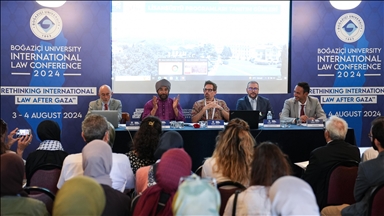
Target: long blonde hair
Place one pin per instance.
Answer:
(234, 151)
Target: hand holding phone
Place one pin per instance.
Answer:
(23, 132)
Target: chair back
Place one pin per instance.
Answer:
(341, 183)
(226, 189)
(46, 176)
(44, 195)
(134, 202)
(376, 206)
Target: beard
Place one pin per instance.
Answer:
(163, 97)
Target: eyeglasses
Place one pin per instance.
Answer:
(370, 136)
(208, 90)
(253, 89)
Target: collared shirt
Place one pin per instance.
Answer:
(103, 107)
(251, 100)
(198, 106)
(50, 145)
(164, 110)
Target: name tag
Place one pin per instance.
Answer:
(133, 124)
(315, 123)
(271, 122)
(215, 124)
(165, 124)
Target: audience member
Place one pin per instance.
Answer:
(162, 106)
(80, 195)
(290, 195)
(199, 192)
(14, 200)
(369, 154)
(269, 163)
(96, 127)
(209, 108)
(106, 102)
(232, 157)
(97, 164)
(370, 174)
(322, 159)
(50, 150)
(145, 176)
(174, 164)
(8, 141)
(302, 107)
(144, 143)
(253, 101)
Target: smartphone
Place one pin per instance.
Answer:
(23, 132)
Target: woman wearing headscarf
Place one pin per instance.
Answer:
(50, 150)
(145, 176)
(14, 200)
(232, 157)
(97, 164)
(80, 195)
(145, 143)
(269, 163)
(174, 164)
(292, 196)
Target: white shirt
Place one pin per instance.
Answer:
(253, 201)
(121, 173)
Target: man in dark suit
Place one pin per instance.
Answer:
(253, 101)
(370, 174)
(322, 159)
(106, 102)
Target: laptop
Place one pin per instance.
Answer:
(110, 115)
(250, 116)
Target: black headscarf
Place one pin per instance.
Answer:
(49, 130)
(169, 140)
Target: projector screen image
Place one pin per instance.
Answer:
(227, 42)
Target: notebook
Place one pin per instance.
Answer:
(110, 115)
(250, 116)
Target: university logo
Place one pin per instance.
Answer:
(349, 27)
(46, 24)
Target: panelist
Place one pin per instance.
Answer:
(106, 102)
(163, 107)
(302, 107)
(209, 108)
(253, 101)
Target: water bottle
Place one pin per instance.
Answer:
(269, 115)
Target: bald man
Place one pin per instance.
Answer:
(106, 102)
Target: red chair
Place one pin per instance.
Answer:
(376, 207)
(46, 176)
(341, 183)
(44, 195)
(226, 189)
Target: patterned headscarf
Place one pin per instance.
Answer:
(80, 195)
(12, 175)
(97, 161)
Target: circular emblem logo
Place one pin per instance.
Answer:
(46, 24)
(349, 27)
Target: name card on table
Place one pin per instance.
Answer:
(215, 124)
(165, 124)
(133, 125)
(315, 123)
(273, 123)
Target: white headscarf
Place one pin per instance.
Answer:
(290, 195)
(97, 161)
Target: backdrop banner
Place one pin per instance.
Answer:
(53, 61)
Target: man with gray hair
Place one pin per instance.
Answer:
(163, 107)
(96, 127)
(105, 102)
(322, 159)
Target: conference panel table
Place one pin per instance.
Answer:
(295, 141)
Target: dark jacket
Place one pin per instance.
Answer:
(263, 106)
